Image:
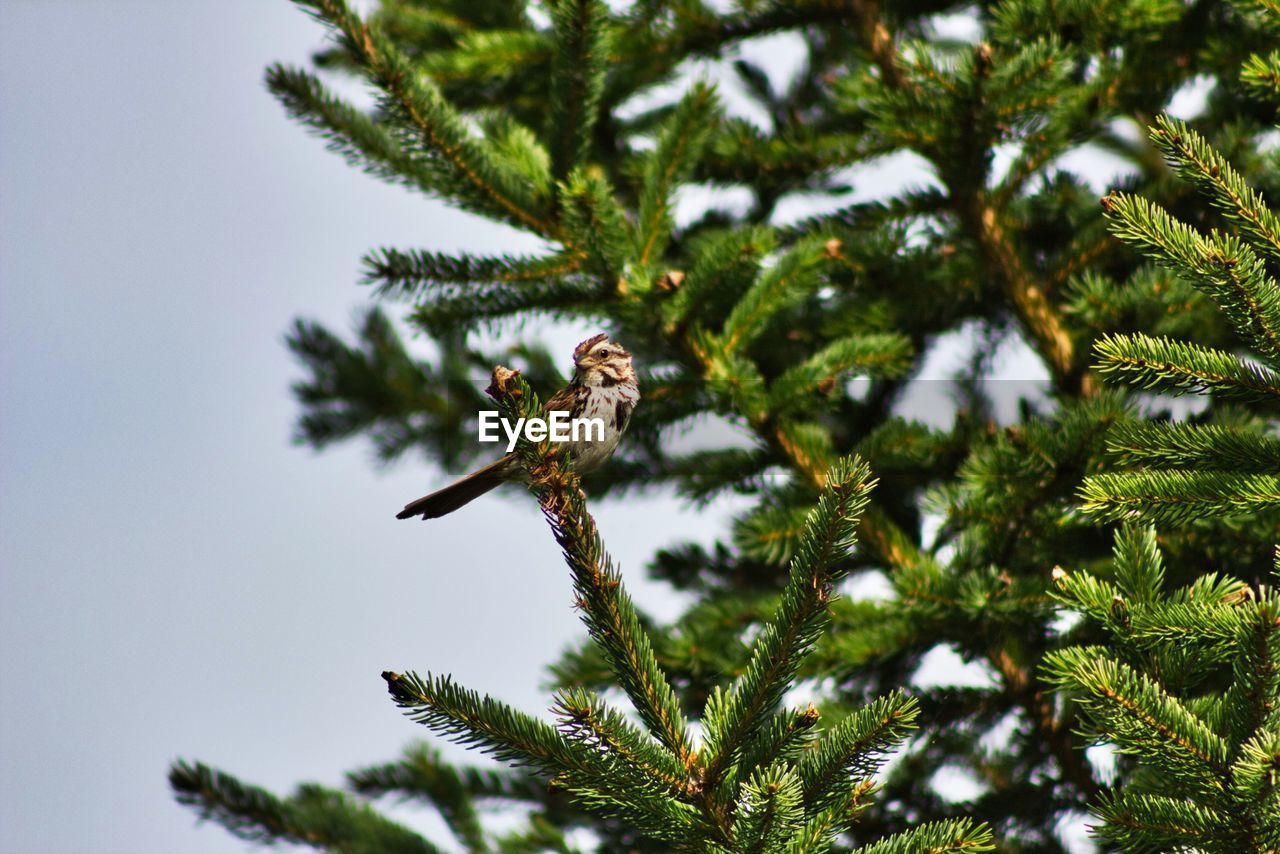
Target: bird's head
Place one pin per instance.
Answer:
(600, 361)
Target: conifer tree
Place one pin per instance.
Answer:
(580, 123)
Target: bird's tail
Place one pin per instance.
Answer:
(461, 492)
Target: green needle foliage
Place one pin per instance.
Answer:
(315, 816)
(1191, 470)
(1186, 691)
(785, 302)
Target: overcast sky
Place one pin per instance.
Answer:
(176, 578)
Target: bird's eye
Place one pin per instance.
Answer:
(602, 352)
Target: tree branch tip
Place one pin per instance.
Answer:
(503, 382)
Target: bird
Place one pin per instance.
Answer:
(604, 387)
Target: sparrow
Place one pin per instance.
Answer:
(604, 387)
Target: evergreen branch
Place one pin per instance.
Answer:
(1188, 791)
(577, 79)
(1139, 566)
(788, 734)
(806, 442)
(422, 771)
(595, 223)
(680, 143)
(852, 749)
(1035, 312)
(416, 23)
(1214, 589)
(517, 146)
(1067, 108)
(500, 72)
(585, 767)
(484, 54)
(1141, 718)
(645, 783)
(722, 261)
(1085, 592)
(1087, 249)
(1162, 364)
(1177, 496)
(1140, 302)
(1222, 266)
(1200, 163)
(864, 216)
(454, 307)
(375, 386)
(470, 173)
(1261, 75)
(793, 277)
(915, 573)
(350, 133)
(1272, 8)
(816, 834)
(587, 720)
(769, 811)
(1210, 447)
(410, 273)
(422, 775)
(734, 379)
(865, 632)
(702, 475)
(662, 818)
(793, 157)
(1255, 682)
(1254, 784)
(771, 533)
(1212, 631)
(732, 719)
(539, 835)
(953, 836)
(880, 355)
(1155, 822)
(980, 217)
(607, 610)
(704, 33)
(314, 816)
(495, 728)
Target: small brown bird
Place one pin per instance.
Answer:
(603, 387)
